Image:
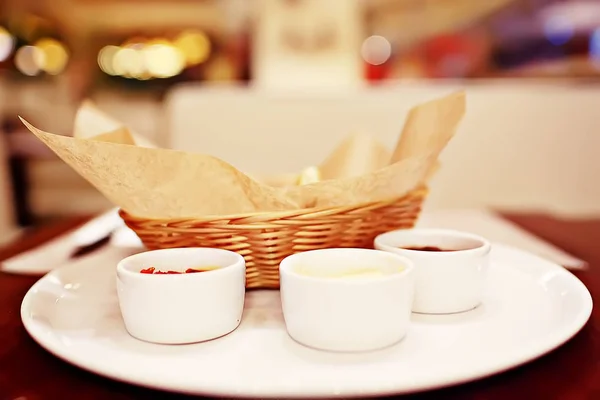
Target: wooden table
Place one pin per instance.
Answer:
(27, 372)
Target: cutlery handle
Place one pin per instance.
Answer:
(89, 248)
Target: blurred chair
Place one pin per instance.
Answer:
(8, 225)
(8, 220)
(522, 146)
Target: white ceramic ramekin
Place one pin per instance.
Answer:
(446, 281)
(181, 308)
(349, 313)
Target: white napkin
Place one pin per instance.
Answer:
(57, 251)
(499, 230)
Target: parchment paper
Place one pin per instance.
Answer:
(159, 183)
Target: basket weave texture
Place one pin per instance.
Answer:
(264, 239)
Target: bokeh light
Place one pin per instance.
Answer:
(594, 47)
(106, 57)
(128, 62)
(29, 60)
(558, 30)
(7, 43)
(376, 50)
(55, 56)
(143, 59)
(194, 45)
(160, 41)
(163, 61)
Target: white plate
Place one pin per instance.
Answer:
(532, 306)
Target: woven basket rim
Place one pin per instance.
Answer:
(421, 191)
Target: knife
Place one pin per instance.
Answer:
(88, 238)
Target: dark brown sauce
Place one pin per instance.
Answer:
(427, 248)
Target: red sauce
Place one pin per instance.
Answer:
(153, 270)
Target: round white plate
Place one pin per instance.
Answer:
(531, 307)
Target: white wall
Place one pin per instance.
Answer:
(521, 146)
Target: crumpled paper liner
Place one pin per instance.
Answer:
(120, 135)
(158, 183)
(356, 155)
(92, 123)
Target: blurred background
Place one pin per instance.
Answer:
(177, 71)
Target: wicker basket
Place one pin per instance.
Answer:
(264, 239)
